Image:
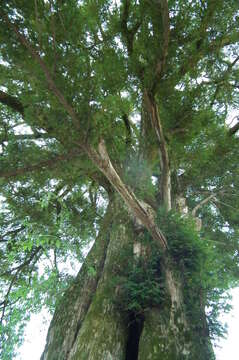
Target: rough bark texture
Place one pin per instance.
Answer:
(70, 313)
(165, 183)
(89, 324)
(104, 332)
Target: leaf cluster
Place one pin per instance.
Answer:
(140, 282)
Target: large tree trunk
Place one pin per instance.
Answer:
(90, 323)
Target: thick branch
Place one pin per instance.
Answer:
(163, 4)
(11, 102)
(42, 165)
(234, 128)
(128, 129)
(128, 33)
(45, 70)
(165, 185)
(142, 211)
(10, 233)
(204, 45)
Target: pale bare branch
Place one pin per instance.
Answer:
(142, 211)
(201, 203)
(165, 184)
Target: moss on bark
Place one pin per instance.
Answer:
(70, 312)
(155, 343)
(89, 324)
(104, 332)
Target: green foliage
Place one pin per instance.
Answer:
(199, 266)
(186, 246)
(140, 284)
(102, 56)
(36, 246)
(91, 271)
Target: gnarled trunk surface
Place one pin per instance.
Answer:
(90, 324)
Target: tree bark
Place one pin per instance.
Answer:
(90, 324)
(70, 313)
(165, 175)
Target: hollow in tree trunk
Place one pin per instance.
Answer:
(93, 321)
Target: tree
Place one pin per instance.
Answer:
(113, 133)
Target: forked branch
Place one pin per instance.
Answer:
(142, 211)
(128, 33)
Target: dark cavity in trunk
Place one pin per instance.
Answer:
(135, 328)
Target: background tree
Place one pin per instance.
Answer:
(113, 133)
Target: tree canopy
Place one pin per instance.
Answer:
(99, 97)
